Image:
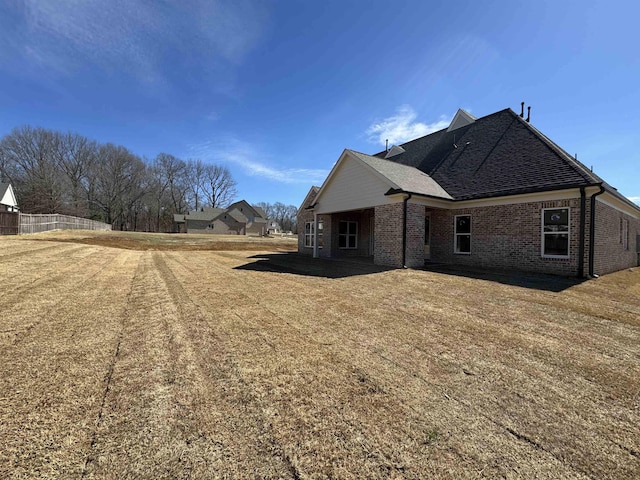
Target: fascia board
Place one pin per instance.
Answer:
(618, 204)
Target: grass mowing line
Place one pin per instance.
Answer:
(503, 427)
(384, 458)
(90, 458)
(190, 314)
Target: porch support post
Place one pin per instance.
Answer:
(315, 235)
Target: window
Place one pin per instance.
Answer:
(309, 234)
(625, 234)
(462, 233)
(348, 234)
(555, 232)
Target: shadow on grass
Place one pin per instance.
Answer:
(534, 281)
(297, 264)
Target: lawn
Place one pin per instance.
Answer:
(163, 356)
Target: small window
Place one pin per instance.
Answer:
(555, 232)
(309, 234)
(462, 233)
(348, 234)
(624, 233)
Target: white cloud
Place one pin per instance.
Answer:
(635, 199)
(402, 127)
(135, 36)
(249, 159)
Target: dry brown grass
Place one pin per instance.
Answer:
(134, 363)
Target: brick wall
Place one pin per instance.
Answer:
(610, 253)
(505, 236)
(415, 235)
(388, 235)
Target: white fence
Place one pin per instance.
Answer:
(36, 223)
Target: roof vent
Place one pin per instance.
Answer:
(461, 119)
(393, 151)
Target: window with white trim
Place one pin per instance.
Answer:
(309, 236)
(555, 232)
(462, 234)
(348, 234)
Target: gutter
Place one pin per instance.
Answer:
(404, 230)
(583, 218)
(592, 231)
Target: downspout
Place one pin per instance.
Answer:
(583, 219)
(404, 231)
(592, 231)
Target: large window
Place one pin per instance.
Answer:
(555, 232)
(348, 234)
(462, 234)
(309, 234)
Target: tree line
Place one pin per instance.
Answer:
(54, 172)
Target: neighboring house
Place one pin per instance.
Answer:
(240, 218)
(484, 192)
(8, 201)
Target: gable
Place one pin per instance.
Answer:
(7, 195)
(244, 208)
(351, 186)
(461, 119)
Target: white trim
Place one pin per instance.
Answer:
(456, 234)
(618, 204)
(568, 233)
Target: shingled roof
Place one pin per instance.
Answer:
(499, 154)
(403, 177)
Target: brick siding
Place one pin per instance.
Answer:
(505, 236)
(502, 236)
(610, 253)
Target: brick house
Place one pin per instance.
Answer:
(239, 218)
(484, 192)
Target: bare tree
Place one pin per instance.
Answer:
(195, 179)
(119, 182)
(219, 186)
(75, 157)
(29, 162)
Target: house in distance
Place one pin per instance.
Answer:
(239, 218)
(8, 201)
(484, 192)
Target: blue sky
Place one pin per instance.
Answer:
(275, 90)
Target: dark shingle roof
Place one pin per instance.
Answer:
(499, 154)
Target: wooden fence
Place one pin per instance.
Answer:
(9, 223)
(36, 223)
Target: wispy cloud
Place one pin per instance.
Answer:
(133, 36)
(253, 162)
(635, 199)
(402, 127)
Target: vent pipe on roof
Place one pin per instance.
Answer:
(386, 145)
(528, 113)
(521, 109)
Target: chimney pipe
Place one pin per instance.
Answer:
(528, 113)
(522, 110)
(386, 144)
